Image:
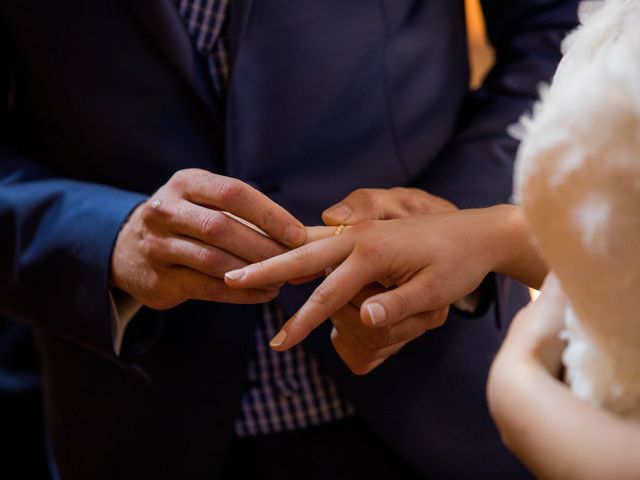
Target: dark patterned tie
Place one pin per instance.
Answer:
(206, 21)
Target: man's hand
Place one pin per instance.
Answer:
(178, 245)
(384, 204)
(363, 347)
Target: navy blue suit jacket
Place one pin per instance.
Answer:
(108, 99)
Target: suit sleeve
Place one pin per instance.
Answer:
(476, 167)
(56, 238)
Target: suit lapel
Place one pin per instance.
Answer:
(161, 20)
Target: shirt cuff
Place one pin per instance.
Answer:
(470, 303)
(123, 309)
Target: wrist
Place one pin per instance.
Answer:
(513, 252)
(501, 227)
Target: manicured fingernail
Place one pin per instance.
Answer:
(377, 313)
(236, 274)
(278, 340)
(295, 234)
(339, 212)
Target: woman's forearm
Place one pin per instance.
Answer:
(559, 436)
(514, 252)
(501, 230)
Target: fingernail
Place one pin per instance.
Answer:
(377, 313)
(236, 274)
(328, 271)
(340, 212)
(295, 235)
(278, 340)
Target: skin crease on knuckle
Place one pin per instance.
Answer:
(301, 256)
(211, 289)
(188, 214)
(267, 216)
(152, 248)
(210, 260)
(398, 303)
(215, 225)
(322, 295)
(229, 192)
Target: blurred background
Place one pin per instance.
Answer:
(481, 55)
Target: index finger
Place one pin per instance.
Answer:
(303, 261)
(239, 198)
(332, 295)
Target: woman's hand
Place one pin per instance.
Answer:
(533, 338)
(532, 347)
(433, 260)
(557, 435)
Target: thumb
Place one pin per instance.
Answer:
(358, 206)
(419, 295)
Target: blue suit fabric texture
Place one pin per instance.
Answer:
(109, 98)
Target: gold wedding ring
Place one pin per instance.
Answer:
(338, 230)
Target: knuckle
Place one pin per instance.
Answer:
(215, 224)
(267, 216)
(181, 178)
(322, 295)
(401, 190)
(214, 288)
(366, 195)
(151, 247)
(386, 337)
(301, 255)
(210, 259)
(150, 214)
(211, 288)
(400, 304)
(188, 212)
(147, 212)
(229, 190)
(360, 228)
(369, 248)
